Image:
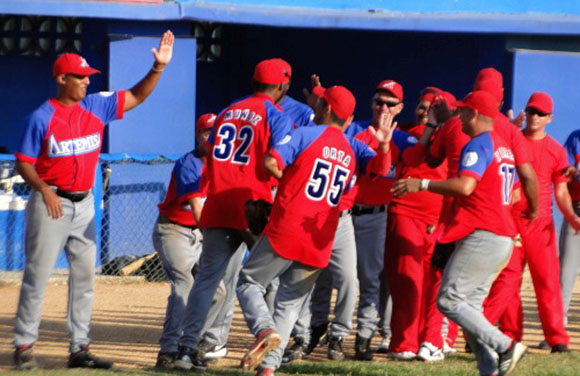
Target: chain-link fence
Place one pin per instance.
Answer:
(127, 190)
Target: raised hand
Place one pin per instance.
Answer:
(311, 98)
(517, 121)
(384, 132)
(165, 51)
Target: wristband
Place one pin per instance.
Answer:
(157, 70)
(424, 184)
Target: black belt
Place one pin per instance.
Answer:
(362, 210)
(73, 196)
(164, 219)
(345, 212)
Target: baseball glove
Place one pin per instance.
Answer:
(441, 254)
(257, 214)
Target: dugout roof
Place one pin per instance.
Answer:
(472, 16)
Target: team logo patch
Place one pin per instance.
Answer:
(106, 93)
(285, 140)
(469, 159)
(412, 140)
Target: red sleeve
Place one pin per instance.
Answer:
(380, 164)
(120, 104)
(561, 165)
(522, 153)
(25, 158)
(274, 153)
(470, 173)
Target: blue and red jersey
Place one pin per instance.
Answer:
(488, 159)
(239, 141)
(318, 164)
(425, 205)
(300, 113)
(375, 189)
(549, 162)
(572, 146)
(64, 142)
(187, 181)
(514, 138)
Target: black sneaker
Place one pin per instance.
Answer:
(165, 360)
(24, 358)
(560, 349)
(543, 345)
(509, 359)
(362, 348)
(316, 334)
(335, 351)
(84, 359)
(187, 358)
(295, 352)
(468, 348)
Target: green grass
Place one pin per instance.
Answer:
(544, 365)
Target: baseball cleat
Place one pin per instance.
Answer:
(24, 358)
(266, 341)
(84, 359)
(403, 356)
(509, 359)
(430, 353)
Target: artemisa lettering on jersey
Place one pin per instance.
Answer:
(243, 114)
(337, 155)
(503, 153)
(75, 146)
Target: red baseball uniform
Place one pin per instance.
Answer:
(539, 249)
(241, 136)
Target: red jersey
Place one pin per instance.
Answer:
(424, 205)
(64, 142)
(448, 143)
(514, 138)
(488, 159)
(318, 164)
(186, 182)
(240, 139)
(572, 146)
(550, 161)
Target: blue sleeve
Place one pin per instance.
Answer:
(300, 113)
(363, 153)
(104, 105)
(476, 155)
(572, 147)
(293, 144)
(33, 134)
(403, 140)
(187, 175)
(356, 127)
(279, 123)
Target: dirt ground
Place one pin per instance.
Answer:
(128, 316)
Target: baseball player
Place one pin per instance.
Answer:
(538, 237)
(57, 157)
(482, 229)
(569, 240)
(411, 238)
(242, 134)
(315, 165)
(178, 240)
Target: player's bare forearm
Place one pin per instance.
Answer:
(564, 201)
(51, 200)
(196, 207)
(138, 93)
(529, 180)
(271, 165)
(460, 186)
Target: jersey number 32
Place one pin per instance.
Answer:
(226, 135)
(326, 180)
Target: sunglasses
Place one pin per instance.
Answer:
(533, 111)
(380, 103)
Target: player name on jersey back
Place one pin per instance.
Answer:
(243, 114)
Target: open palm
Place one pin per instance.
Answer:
(165, 51)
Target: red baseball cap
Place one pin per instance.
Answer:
(205, 122)
(272, 72)
(481, 101)
(490, 74)
(73, 64)
(492, 86)
(542, 102)
(340, 99)
(392, 87)
(446, 96)
(428, 93)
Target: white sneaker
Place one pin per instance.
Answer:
(430, 353)
(448, 349)
(216, 353)
(383, 347)
(402, 356)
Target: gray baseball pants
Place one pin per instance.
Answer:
(370, 232)
(569, 259)
(296, 281)
(220, 254)
(469, 274)
(179, 248)
(45, 238)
